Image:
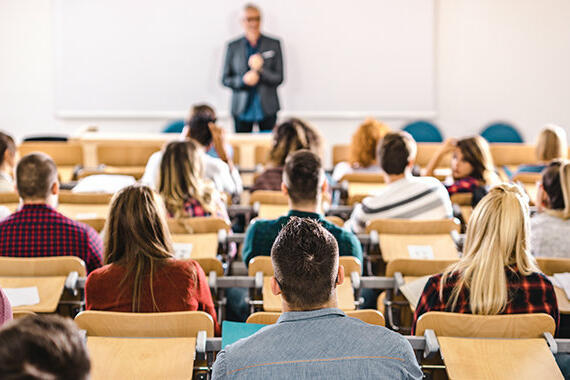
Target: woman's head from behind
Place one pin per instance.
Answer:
(554, 189)
(291, 136)
(551, 144)
(364, 144)
(472, 158)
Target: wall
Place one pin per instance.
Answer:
(504, 59)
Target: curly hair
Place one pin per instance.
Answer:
(363, 147)
(292, 135)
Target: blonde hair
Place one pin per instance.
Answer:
(497, 239)
(137, 238)
(551, 144)
(476, 151)
(364, 144)
(181, 176)
(293, 135)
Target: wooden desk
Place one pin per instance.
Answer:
(345, 296)
(473, 358)
(84, 211)
(50, 290)
(141, 358)
(396, 246)
(203, 245)
(563, 304)
(272, 211)
(65, 173)
(363, 188)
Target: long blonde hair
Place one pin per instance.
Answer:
(181, 176)
(497, 239)
(137, 238)
(551, 144)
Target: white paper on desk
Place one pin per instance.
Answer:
(423, 252)
(86, 215)
(182, 250)
(413, 290)
(563, 280)
(23, 296)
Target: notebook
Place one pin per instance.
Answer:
(234, 331)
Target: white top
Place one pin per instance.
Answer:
(408, 198)
(214, 169)
(549, 236)
(344, 167)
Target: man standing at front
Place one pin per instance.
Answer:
(253, 69)
(313, 338)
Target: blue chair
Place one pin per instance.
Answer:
(175, 126)
(501, 132)
(423, 131)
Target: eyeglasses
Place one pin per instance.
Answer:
(253, 19)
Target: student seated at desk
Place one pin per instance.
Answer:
(363, 150)
(37, 229)
(39, 347)
(288, 137)
(314, 338)
(8, 159)
(141, 273)
(183, 187)
(496, 274)
(551, 145)
(550, 226)
(5, 308)
(471, 165)
(405, 196)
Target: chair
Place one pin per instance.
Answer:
(261, 154)
(67, 155)
(501, 132)
(464, 201)
(423, 131)
(512, 154)
(272, 204)
(96, 223)
(174, 126)
(206, 234)
(340, 153)
(362, 185)
(66, 196)
(22, 314)
(41, 266)
(337, 221)
(83, 206)
(549, 265)
(426, 151)
(369, 316)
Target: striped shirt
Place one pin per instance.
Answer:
(408, 198)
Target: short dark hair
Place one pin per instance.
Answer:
(199, 129)
(303, 174)
(552, 185)
(35, 174)
(395, 151)
(6, 144)
(305, 260)
(43, 347)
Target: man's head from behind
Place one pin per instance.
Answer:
(303, 177)
(305, 261)
(36, 178)
(396, 152)
(43, 347)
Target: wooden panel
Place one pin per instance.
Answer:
(267, 211)
(563, 304)
(264, 265)
(141, 358)
(497, 359)
(209, 264)
(84, 211)
(41, 266)
(418, 268)
(512, 154)
(127, 153)
(66, 196)
(363, 177)
(268, 197)
(426, 152)
(203, 245)
(396, 246)
(197, 225)
(550, 265)
(49, 289)
(373, 317)
(67, 153)
(412, 227)
(340, 153)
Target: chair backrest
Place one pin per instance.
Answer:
(167, 325)
(96, 223)
(340, 153)
(210, 264)
(373, 317)
(486, 326)
(21, 314)
(412, 227)
(263, 264)
(336, 220)
(417, 267)
(423, 131)
(268, 197)
(550, 265)
(527, 178)
(128, 153)
(174, 126)
(197, 225)
(63, 153)
(425, 153)
(512, 154)
(501, 132)
(41, 266)
(462, 199)
(66, 196)
(363, 177)
(261, 154)
(9, 198)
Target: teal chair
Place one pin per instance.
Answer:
(423, 131)
(501, 132)
(175, 126)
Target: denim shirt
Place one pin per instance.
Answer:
(322, 343)
(253, 111)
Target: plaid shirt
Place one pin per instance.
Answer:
(463, 185)
(193, 208)
(527, 294)
(38, 230)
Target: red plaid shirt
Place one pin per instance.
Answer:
(193, 208)
(527, 294)
(463, 185)
(39, 230)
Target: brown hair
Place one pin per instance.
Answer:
(182, 176)
(305, 260)
(43, 347)
(35, 175)
(137, 238)
(395, 151)
(551, 144)
(6, 144)
(303, 175)
(364, 144)
(475, 150)
(290, 136)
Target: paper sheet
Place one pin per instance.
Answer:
(182, 251)
(563, 281)
(23, 296)
(413, 290)
(423, 252)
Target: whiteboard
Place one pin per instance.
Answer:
(138, 58)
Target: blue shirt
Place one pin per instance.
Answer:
(253, 110)
(323, 344)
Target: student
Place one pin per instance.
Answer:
(5, 308)
(471, 164)
(40, 347)
(8, 158)
(288, 137)
(185, 191)
(140, 272)
(405, 196)
(550, 227)
(496, 274)
(313, 338)
(363, 149)
(37, 229)
(551, 145)
(202, 129)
